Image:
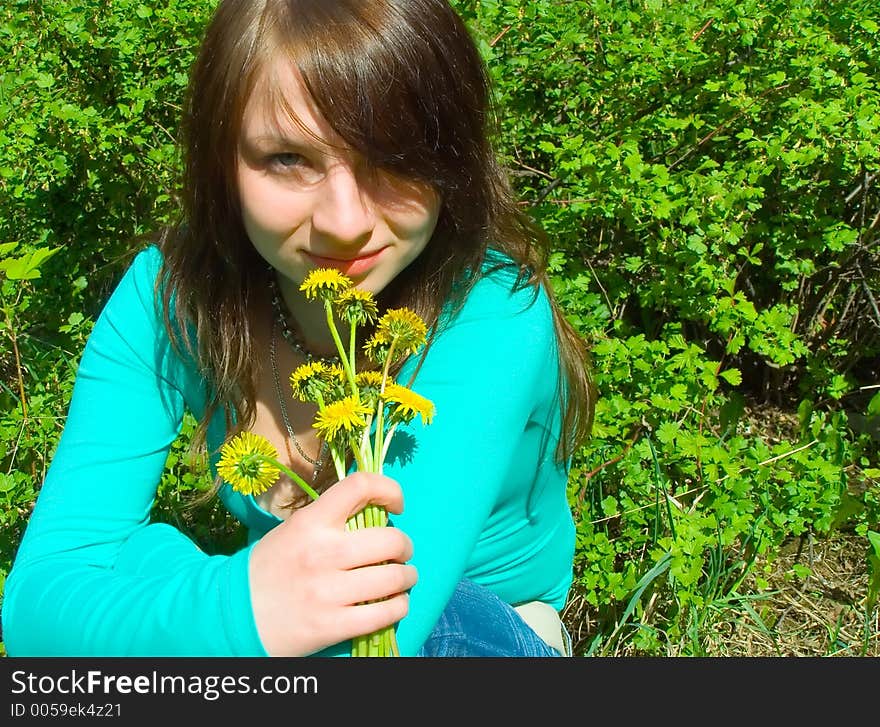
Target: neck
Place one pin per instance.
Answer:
(310, 318)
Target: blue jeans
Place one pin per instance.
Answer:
(476, 622)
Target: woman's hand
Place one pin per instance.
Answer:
(310, 578)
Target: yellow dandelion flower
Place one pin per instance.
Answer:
(346, 414)
(407, 403)
(334, 382)
(377, 348)
(357, 306)
(336, 374)
(369, 383)
(324, 284)
(308, 370)
(405, 326)
(369, 379)
(248, 463)
(308, 381)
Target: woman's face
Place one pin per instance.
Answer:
(306, 204)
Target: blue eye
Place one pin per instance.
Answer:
(286, 160)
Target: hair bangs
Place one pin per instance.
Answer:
(375, 77)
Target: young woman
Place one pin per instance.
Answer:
(349, 134)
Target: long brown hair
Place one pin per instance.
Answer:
(402, 83)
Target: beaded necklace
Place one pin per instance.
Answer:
(280, 320)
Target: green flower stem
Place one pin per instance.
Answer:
(380, 407)
(295, 477)
(343, 357)
(378, 514)
(338, 460)
(364, 448)
(384, 451)
(362, 465)
(338, 464)
(352, 343)
(384, 641)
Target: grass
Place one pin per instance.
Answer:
(821, 614)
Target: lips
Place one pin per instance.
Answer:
(348, 266)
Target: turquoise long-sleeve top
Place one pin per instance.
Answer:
(484, 496)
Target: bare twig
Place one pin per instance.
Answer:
(862, 187)
(871, 299)
(19, 371)
(549, 188)
(499, 36)
(703, 29)
(724, 125)
(533, 170)
(599, 283)
(572, 200)
(596, 470)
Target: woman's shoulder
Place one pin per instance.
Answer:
(133, 324)
(502, 290)
(500, 318)
(136, 284)
(149, 257)
(145, 266)
(143, 285)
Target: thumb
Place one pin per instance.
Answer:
(353, 493)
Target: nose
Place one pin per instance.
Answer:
(345, 211)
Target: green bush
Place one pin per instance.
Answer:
(708, 174)
(706, 170)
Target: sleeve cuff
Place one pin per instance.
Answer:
(238, 612)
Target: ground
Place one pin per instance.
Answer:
(822, 614)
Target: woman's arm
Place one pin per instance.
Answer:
(493, 376)
(87, 576)
(93, 577)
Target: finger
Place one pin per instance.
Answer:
(369, 617)
(370, 546)
(374, 583)
(353, 493)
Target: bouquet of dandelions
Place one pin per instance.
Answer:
(358, 412)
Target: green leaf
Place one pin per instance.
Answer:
(801, 571)
(7, 482)
(873, 569)
(732, 376)
(667, 432)
(609, 506)
(7, 247)
(874, 540)
(27, 267)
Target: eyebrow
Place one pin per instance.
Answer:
(299, 143)
(280, 139)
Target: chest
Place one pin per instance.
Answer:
(287, 423)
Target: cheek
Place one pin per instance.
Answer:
(410, 207)
(268, 209)
(428, 223)
(417, 222)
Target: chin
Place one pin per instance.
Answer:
(373, 283)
